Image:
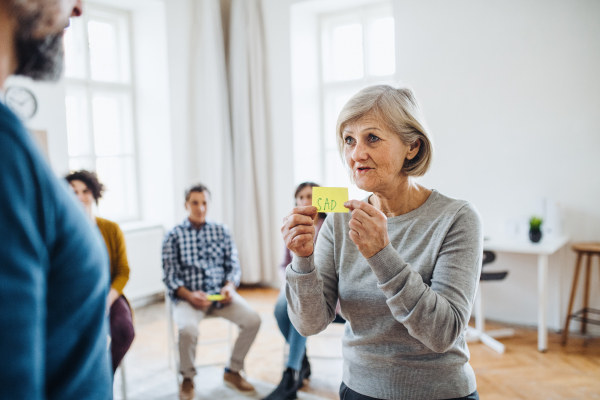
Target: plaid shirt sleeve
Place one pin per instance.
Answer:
(171, 269)
(231, 264)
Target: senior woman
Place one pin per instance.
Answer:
(89, 190)
(404, 262)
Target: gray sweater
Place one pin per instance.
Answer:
(407, 306)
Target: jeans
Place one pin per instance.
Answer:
(296, 341)
(348, 394)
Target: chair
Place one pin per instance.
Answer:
(582, 250)
(123, 380)
(479, 332)
(121, 368)
(173, 344)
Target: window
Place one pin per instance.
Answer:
(99, 107)
(357, 50)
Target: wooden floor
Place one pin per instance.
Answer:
(571, 372)
(522, 372)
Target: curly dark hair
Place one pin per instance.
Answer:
(90, 179)
(301, 186)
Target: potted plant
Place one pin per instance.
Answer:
(535, 233)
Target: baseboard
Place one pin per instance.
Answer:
(147, 300)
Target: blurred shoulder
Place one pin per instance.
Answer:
(108, 225)
(9, 123)
(462, 211)
(218, 227)
(177, 230)
(20, 159)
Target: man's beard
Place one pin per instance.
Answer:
(39, 59)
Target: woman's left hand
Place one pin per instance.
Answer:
(368, 228)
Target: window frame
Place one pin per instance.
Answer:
(126, 87)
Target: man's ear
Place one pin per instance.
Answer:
(414, 149)
(186, 205)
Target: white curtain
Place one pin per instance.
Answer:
(251, 150)
(209, 110)
(231, 129)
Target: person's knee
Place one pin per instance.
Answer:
(250, 321)
(254, 321)
(281, 308)
(127, 333)
(189, 332)
(122, 331)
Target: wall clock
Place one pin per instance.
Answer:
(21, 101)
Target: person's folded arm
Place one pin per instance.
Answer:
(311, 285)
(435, 315)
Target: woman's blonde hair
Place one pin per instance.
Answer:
(399, 111)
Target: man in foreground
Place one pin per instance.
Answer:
(200, 260)
(53, 266)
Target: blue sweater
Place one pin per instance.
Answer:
(53, 281)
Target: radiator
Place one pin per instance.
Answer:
(144, 251)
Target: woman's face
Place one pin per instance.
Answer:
(304, 197)
(375, 155)
(84, 194)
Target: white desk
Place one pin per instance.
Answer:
(543, 249)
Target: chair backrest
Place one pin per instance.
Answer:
(489, 257)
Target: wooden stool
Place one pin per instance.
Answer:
(589, 250)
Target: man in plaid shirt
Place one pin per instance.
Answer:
(200, 260)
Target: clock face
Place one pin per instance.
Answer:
(21, 101)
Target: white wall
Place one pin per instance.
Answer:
(49, 117)
(511, 91)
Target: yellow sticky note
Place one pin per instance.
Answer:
(330, 199)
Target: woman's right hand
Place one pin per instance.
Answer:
(298, 230)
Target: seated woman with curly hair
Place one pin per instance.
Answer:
(88, 189)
